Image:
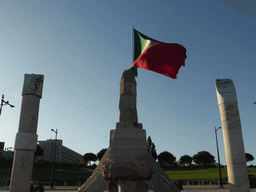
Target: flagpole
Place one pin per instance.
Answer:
(132, 44)
(134, 69)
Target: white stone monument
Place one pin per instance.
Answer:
(127, 166)
(26, 138)
(232, 136)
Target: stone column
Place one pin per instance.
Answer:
(127, 185)
(127, 102)
(113, 187)
(232, 136)
(26, 138)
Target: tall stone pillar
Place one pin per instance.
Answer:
(232, 136)
(26, 138)
(127, 185)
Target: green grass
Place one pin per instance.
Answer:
(60, 174)
(45, 174)
(252, 170)
(209, 174)
(70, 173)
(90, 170)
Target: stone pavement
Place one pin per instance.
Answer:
(208, 188)
(190, 188)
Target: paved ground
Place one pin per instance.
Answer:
(190, 188)
(208, 188)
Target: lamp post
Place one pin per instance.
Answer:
(221, 184)
(53, 165)
(4, 103)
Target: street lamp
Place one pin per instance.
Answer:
(53, 165)
(221, 184)
(4, 103)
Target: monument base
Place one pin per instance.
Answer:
(128, 166)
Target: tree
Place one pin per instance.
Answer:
(39, 152)
(165, 159)
(204, 158)
(101, 153)
(185, 160)
(153, 151)
(2, 159)
(77, 161)
(88, 157)
(249, 157)
(40, 159)
(151, 148)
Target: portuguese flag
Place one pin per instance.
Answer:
(153, 55)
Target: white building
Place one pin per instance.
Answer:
(63, 154)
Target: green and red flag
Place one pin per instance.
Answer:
(153, 55)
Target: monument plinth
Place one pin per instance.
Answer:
(127, 166)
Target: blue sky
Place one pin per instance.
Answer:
(82, 48)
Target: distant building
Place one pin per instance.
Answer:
(1, 146)
(7, 153)
(63, 154)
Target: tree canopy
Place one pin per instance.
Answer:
(249, 157)
(186, 160)
(39, 151)
(204, 158)
(88, 157)
(101, 153)
(151, 147)
(165, 158)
